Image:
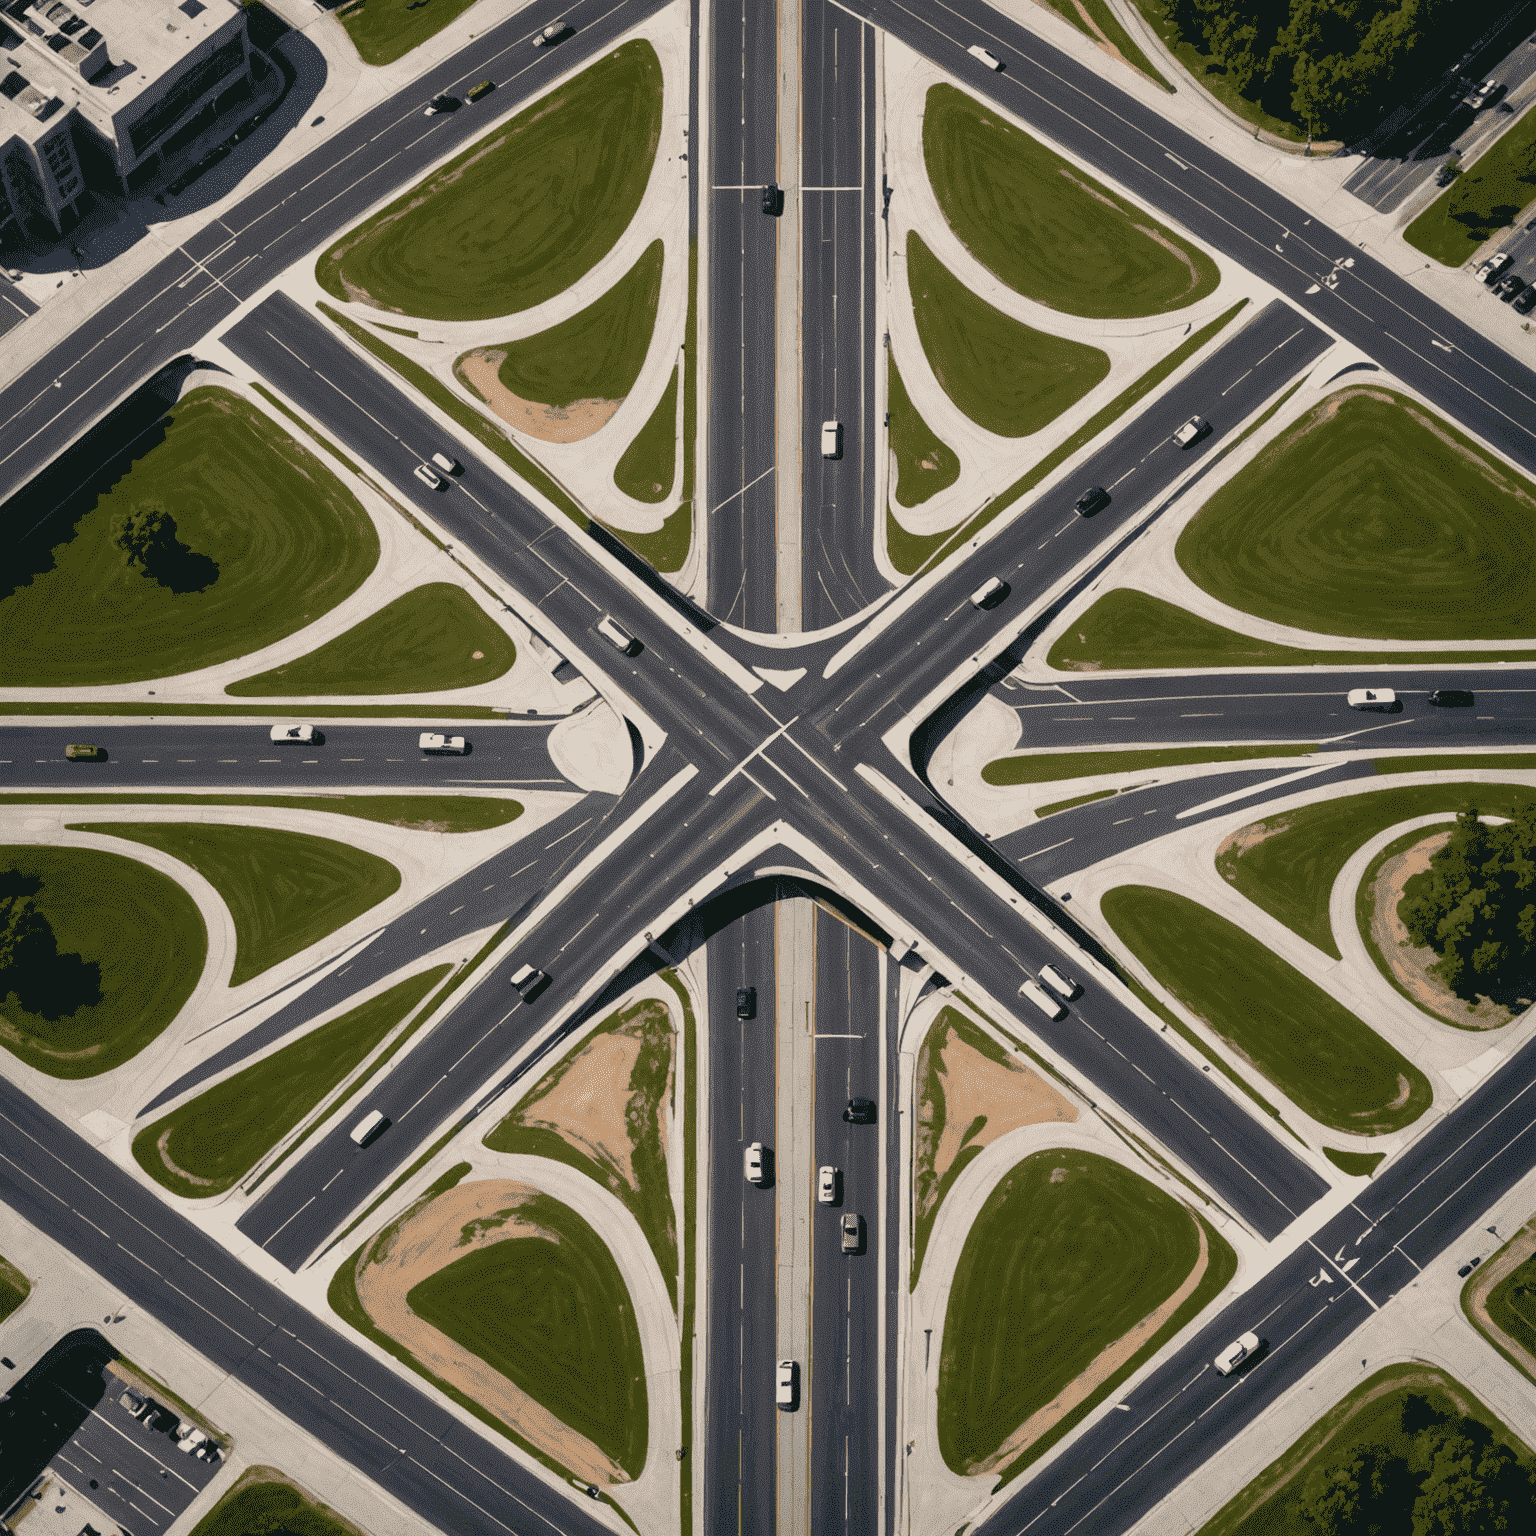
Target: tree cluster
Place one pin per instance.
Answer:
(1454, 1480)
(46, 983)
(1333, 67)
(1476, 904)
(149, 541)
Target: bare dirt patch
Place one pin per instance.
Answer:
(584, 1110)
(548, 423)
(459, 1221)
(1508, 1259)
(1105, 1364)
(162, 1147)
(1410, 965)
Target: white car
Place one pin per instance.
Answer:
(1372, 698)
(1042, 1000)
(831, 439)
(786, 1383)
(1060, 983)
(188, 1437)
(1191, 432)
(1234, 1354)
(431, 741)
(549, 34)
(429, 477)
(826, 1184)
(304, 733)
(1491, 268)
(987, 592)
(976, 51)
(444, 463)
(752, 1163)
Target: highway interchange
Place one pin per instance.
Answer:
(789, 770)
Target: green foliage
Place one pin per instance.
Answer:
(384, 30)
(1109, 24)
(522, 213)
(1045, 767)
(269, 1508)
(1482, 200)
(1475, 906)
(1357, 1165)
(432, 639)
(143, 535)
(25, 934)
(924, 465)
(648, 466)
(667, 548)
(1352, 1490)
(1511, 1305)
(1004, 375)
(14, 1288)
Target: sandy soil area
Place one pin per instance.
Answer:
(1107, 1362)
(1510, 1257)
(163, 1148)
(1410, 966)
(583, 1108)
(548, 423)
(457, 1222)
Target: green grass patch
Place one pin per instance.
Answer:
(108, 708)
(647, 468)
(912, 555)
(1511, 1305)
(1375, 519)
(924, 465)
(265, 1503)
(596, 354)
(384, 30)
(1313, 1049)
(1044, 767)
(524, 212)
(1070, 1251)
(140, 931)
(1358, 1165)
(284, 890)
(668, 547)
(552, 1314)
(210, 1143)
(1040, 224)
(1292, 861)
(412, 813)
(1126, 630)
(1109, 24)
(1074, 802)
(1004, 375)
(484, 431)
(690, 1216)
(644, 1031)
(14, 1288)
(304, 426)
(1457, 762)
(1395, 1408)
(1483, 200)
(433, 639)
(272, 541)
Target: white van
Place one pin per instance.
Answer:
(976, 51)
(752, 1163)
(1372, 698)
(444, 463)
(786, 1383)
(369, 1127)
(1060, 983)
(1042, 1000)
(619, 639)
(986, 592)
(831, 439)
(1234, 1354)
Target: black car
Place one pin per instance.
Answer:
(1452, 698)
(1509, 285)
(1526, 302)
(1091, 500)
(441, 104)
(860, 1112)
(773, 200)
(746, 1002)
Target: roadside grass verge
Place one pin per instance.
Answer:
(1040, 224)
(647, 468)
(1358, 1165)
(552, 1315)
(131, 947)
(208, 1144)
(1511, 1305)
(1109, 24)
(924, 465)
(383, 32)
(668, 547)
(107, 708)
(483, 430)
(411, 813)
(1372, 518)
(690, 1035)
(271, 541)
(1004, 375)
(14, 1288)
(1074, 802)
(1126, 631)
(914, 554)
(597, 353)
(1459, 762)
(1488, 197)
(642, 1101)
(430, 640)
(1390, 1408)
(1044, 767)
(1292, 860)
(265, 1501)
(1327, 1061)
(1070, 1251)
(522, 213)
(284, 890)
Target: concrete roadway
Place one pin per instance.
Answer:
(740, 485)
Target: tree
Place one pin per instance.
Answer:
(1472, 1489)
(24, 933)
(1357, 1495)
(146, 537)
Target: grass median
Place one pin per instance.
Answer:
(284, 890)
(522, 213)
(1042, 226)
(1488, 197)
(1313, 1049)
(434, 639)
(924, 465)
(208, 1144)
(1046, 767)
(269, 540)
(411, 813)
(647, 468)
(131, 947)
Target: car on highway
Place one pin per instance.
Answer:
(553, 33)
(1452, 698)
(852, 1230)
(831, 439)
(860, 1112)
(444, 463)
(616, 636)
(306, 734)
(1526, 302)
(1373, 698)
(773, 200)
(429, 477)
(1091, 500)
(1235, 1353)
(826, 1184)
(1042, 1000)
(441, 104)
(746, 1002)
(84, 752)
(786, 1383)
(529, 981)
(371, 1125)
(1191, 432)
(435, 741)
(754, 1163)
(990, 593)
(478, 89)
(1060, 983)
(1481, 94)
(1491, 268)
(991, 60)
